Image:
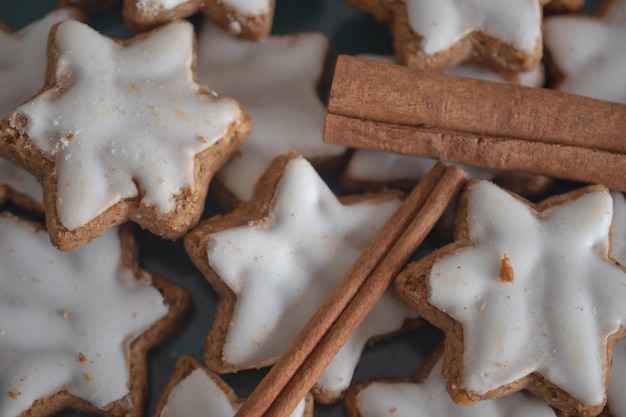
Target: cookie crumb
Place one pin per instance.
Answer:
(506, 270)
(14, 394)
(82, 358)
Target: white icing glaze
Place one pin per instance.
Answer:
(282, 271)
(442, 23)
(429, 398)
(619, 227)
(615, 12)
(129, 115)
(616, 399)
(275, 80)
(590, 53)
(56, 306)
(566, 297)
(199, 394)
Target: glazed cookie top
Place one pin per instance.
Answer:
(23, 60)
(442, 23)
(430, 398)
(123, 118)
(282, 269)
(276, 81)
(534, 291)
(591, 55)
(199, 393)
(67, 318)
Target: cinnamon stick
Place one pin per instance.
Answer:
(383, 255)
(504, 126)
(368, 295)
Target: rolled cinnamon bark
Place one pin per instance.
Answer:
(394, 108)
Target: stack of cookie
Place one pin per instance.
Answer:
(98, 132)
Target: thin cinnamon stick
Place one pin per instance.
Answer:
(504, 126)
(368, 295)
(275, 381)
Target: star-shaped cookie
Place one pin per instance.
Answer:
(248, 19)
(276, 81)
(75, 327)
(528, 295)
(123, 132)
(588, 56)
(428, 397)
(194, 390)
(23, 61)
(438, 34)
(275, 260)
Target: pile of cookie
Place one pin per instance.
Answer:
(97, 132)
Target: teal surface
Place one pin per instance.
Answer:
(351, 32)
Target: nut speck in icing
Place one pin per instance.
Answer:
(566, 300)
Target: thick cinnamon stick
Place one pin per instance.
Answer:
(279, 376)
(504, 126)
(368, 295)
